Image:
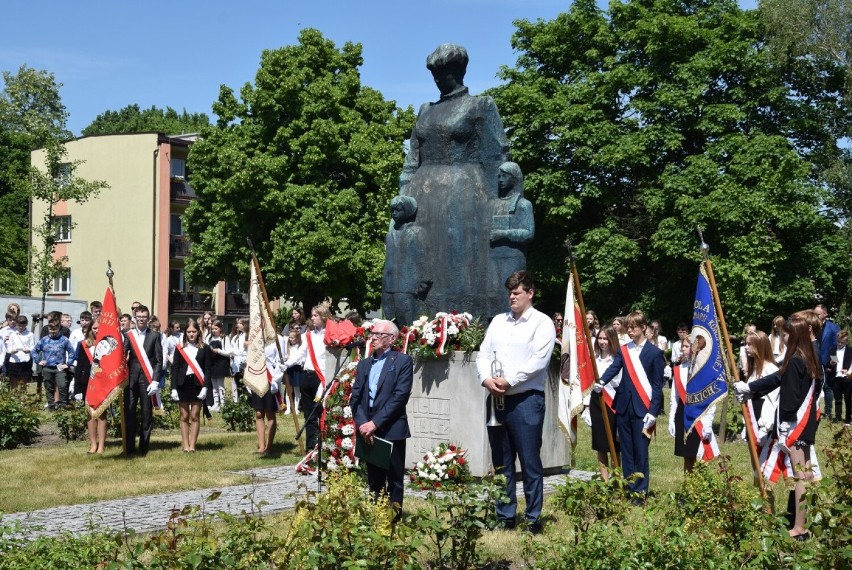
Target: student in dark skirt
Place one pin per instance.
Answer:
(189, 377)
(220, 365)
(689, 448)
(294, 373)
(97, 427)
(606, 343)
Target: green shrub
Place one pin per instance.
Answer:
(238, 416)
(19, 422)
(456, 518)
(830, 505)
(72, 422)
(585, 503)
(169, 416)
(344, 528)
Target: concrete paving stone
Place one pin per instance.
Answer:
(278, 487)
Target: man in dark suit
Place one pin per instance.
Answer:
(827, 342)
(379, 394)
(638, 400)
(144, 350)
(840, 368)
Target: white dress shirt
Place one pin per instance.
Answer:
(300, 356)
(523, 346)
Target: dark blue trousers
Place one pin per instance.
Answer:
(634, 449)
(520, 437)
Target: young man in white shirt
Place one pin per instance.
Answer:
(512, 366)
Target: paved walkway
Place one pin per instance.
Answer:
(275, 489)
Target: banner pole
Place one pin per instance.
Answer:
(110, 274)
(288, 388)
(604, 412)
(733, 370)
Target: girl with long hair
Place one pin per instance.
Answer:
(190, 374)
(778, 339)
(220, 365)
(605, 345)
(759, 363)
(237, 350)
(97, 427)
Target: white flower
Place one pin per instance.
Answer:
(420, 465)
(423, 320)
(346, 462)
(432, 477)
(347, 412)
(452, 329)
(346, 443)
(331, 464)
(348, 429)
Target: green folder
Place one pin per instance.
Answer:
(378, 454)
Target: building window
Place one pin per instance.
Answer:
(63, 228)
(63, 175)
(178, 168)
(176, 223)
(62, 282)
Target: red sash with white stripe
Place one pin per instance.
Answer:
(192, 363)
(89, 351)
(442, 338)
(637, 375)
(778, 462)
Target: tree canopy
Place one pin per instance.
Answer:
(304, 162)
(31, 115)
(132, 119)
(639, 124)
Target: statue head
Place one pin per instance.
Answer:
(403, 209)
(509, 178)
(448, 64)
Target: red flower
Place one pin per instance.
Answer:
(412, 477)
(336, 454)
(437, 484)
(404, 330)
(452, 447)
(462, 461)
(451, 472)
(454, 312)
(423, 342)
(359, 331)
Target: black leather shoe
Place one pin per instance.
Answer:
(502, 525)
(534, 528)
(805, 536)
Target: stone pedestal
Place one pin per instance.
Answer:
(447, 404)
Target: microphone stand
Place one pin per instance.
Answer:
(320, 405)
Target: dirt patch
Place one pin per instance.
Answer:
(48, 434)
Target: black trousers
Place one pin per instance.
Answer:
(309, 386)
(135, 394)
(843, 396)
(389, 480)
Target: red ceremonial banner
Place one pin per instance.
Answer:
(109, 368)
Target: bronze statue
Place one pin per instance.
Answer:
(451, 170)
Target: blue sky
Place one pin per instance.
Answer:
(109, 54)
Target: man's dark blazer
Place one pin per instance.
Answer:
(153, 347)
(626, 396)
(392, 395)
(828, 340)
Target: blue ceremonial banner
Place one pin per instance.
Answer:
(707, 382)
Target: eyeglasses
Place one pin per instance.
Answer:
(385, 334)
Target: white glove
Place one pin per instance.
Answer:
(783, 430)
(707, 432)
(587, 417)
(649, 421)
(78, 397)
(175, 396)
(203, 393)
(742, 388)
(672, 430)
(273, 387)
(71, 388)
(667, 372)
(762, 436)
(153, 388)
(598, 387)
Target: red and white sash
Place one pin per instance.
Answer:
(442, 338)
(707, 450)
(192, 363)
(637, 374)
(778, 461)
(313, 356)
(141, 356)
(147, 369)
(89, 351)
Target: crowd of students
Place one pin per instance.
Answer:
(802, 362)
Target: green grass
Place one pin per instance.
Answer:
(64, 474)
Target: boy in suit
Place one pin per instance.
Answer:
(638, 400)
(380, 392)
(144, 349)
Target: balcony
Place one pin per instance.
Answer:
(236, 304)
(181, 301)
(178, 247)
